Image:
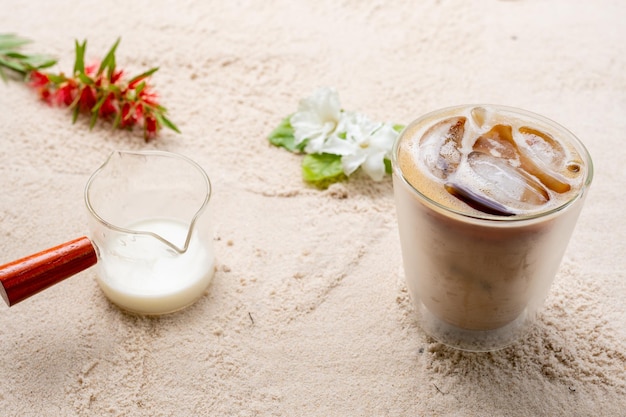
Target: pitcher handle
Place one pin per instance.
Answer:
(25, 277)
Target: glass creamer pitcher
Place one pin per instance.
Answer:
(149, 236)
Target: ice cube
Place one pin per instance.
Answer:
(491, 185)
(507, 184)
(479, 116)
(543, 147)
(499, 142)
(543, 156)
(440, 146)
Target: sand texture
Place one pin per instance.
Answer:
(308, 313)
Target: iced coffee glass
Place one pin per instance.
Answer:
(487, 198)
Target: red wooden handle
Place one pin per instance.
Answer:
(27, 276)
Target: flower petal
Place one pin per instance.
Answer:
(338, 146)
(324, 102)
(374, 165)
(383, 138)
(352, 162)
(360, 128)
(305, 125)
(317, 117)
(315, 144)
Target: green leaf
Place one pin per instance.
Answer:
(40, 61)
(143, 75)
(57, 78)
(9, 41)
(85, 79)
(117, 120)
(388, 167)
(115, 89)
(283, 137)
(76, 110)
(16, 55)
(79, 63)
(108, 62)
(159, 108)
(96, 110)
(93, 120)
(36, 62)
(140, 88)
(166, 122)
(398, 128)
(15, 66)
(19, 62)
(322, 169)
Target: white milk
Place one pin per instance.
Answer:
(143, 275)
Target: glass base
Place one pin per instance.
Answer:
(473, 340)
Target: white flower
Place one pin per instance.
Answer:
(366, 145)
(316, 119)
(327, 129)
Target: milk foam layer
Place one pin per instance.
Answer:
(516, 163)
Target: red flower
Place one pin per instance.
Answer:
(87, 98)
(108, 107)
(41, 82)
(100, 84)
(148, 97)
(129, 117)
(151, 126)
(135, 82)
(66, 93)
(90, 70)
(39, 79)
(46, 95)
(116, 76)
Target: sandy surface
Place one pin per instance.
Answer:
(308, 313)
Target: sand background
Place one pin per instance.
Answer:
(308, 313)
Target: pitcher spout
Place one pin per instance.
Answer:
(137, 192)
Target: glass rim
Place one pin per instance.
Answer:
(167, 154)
(580, 147)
